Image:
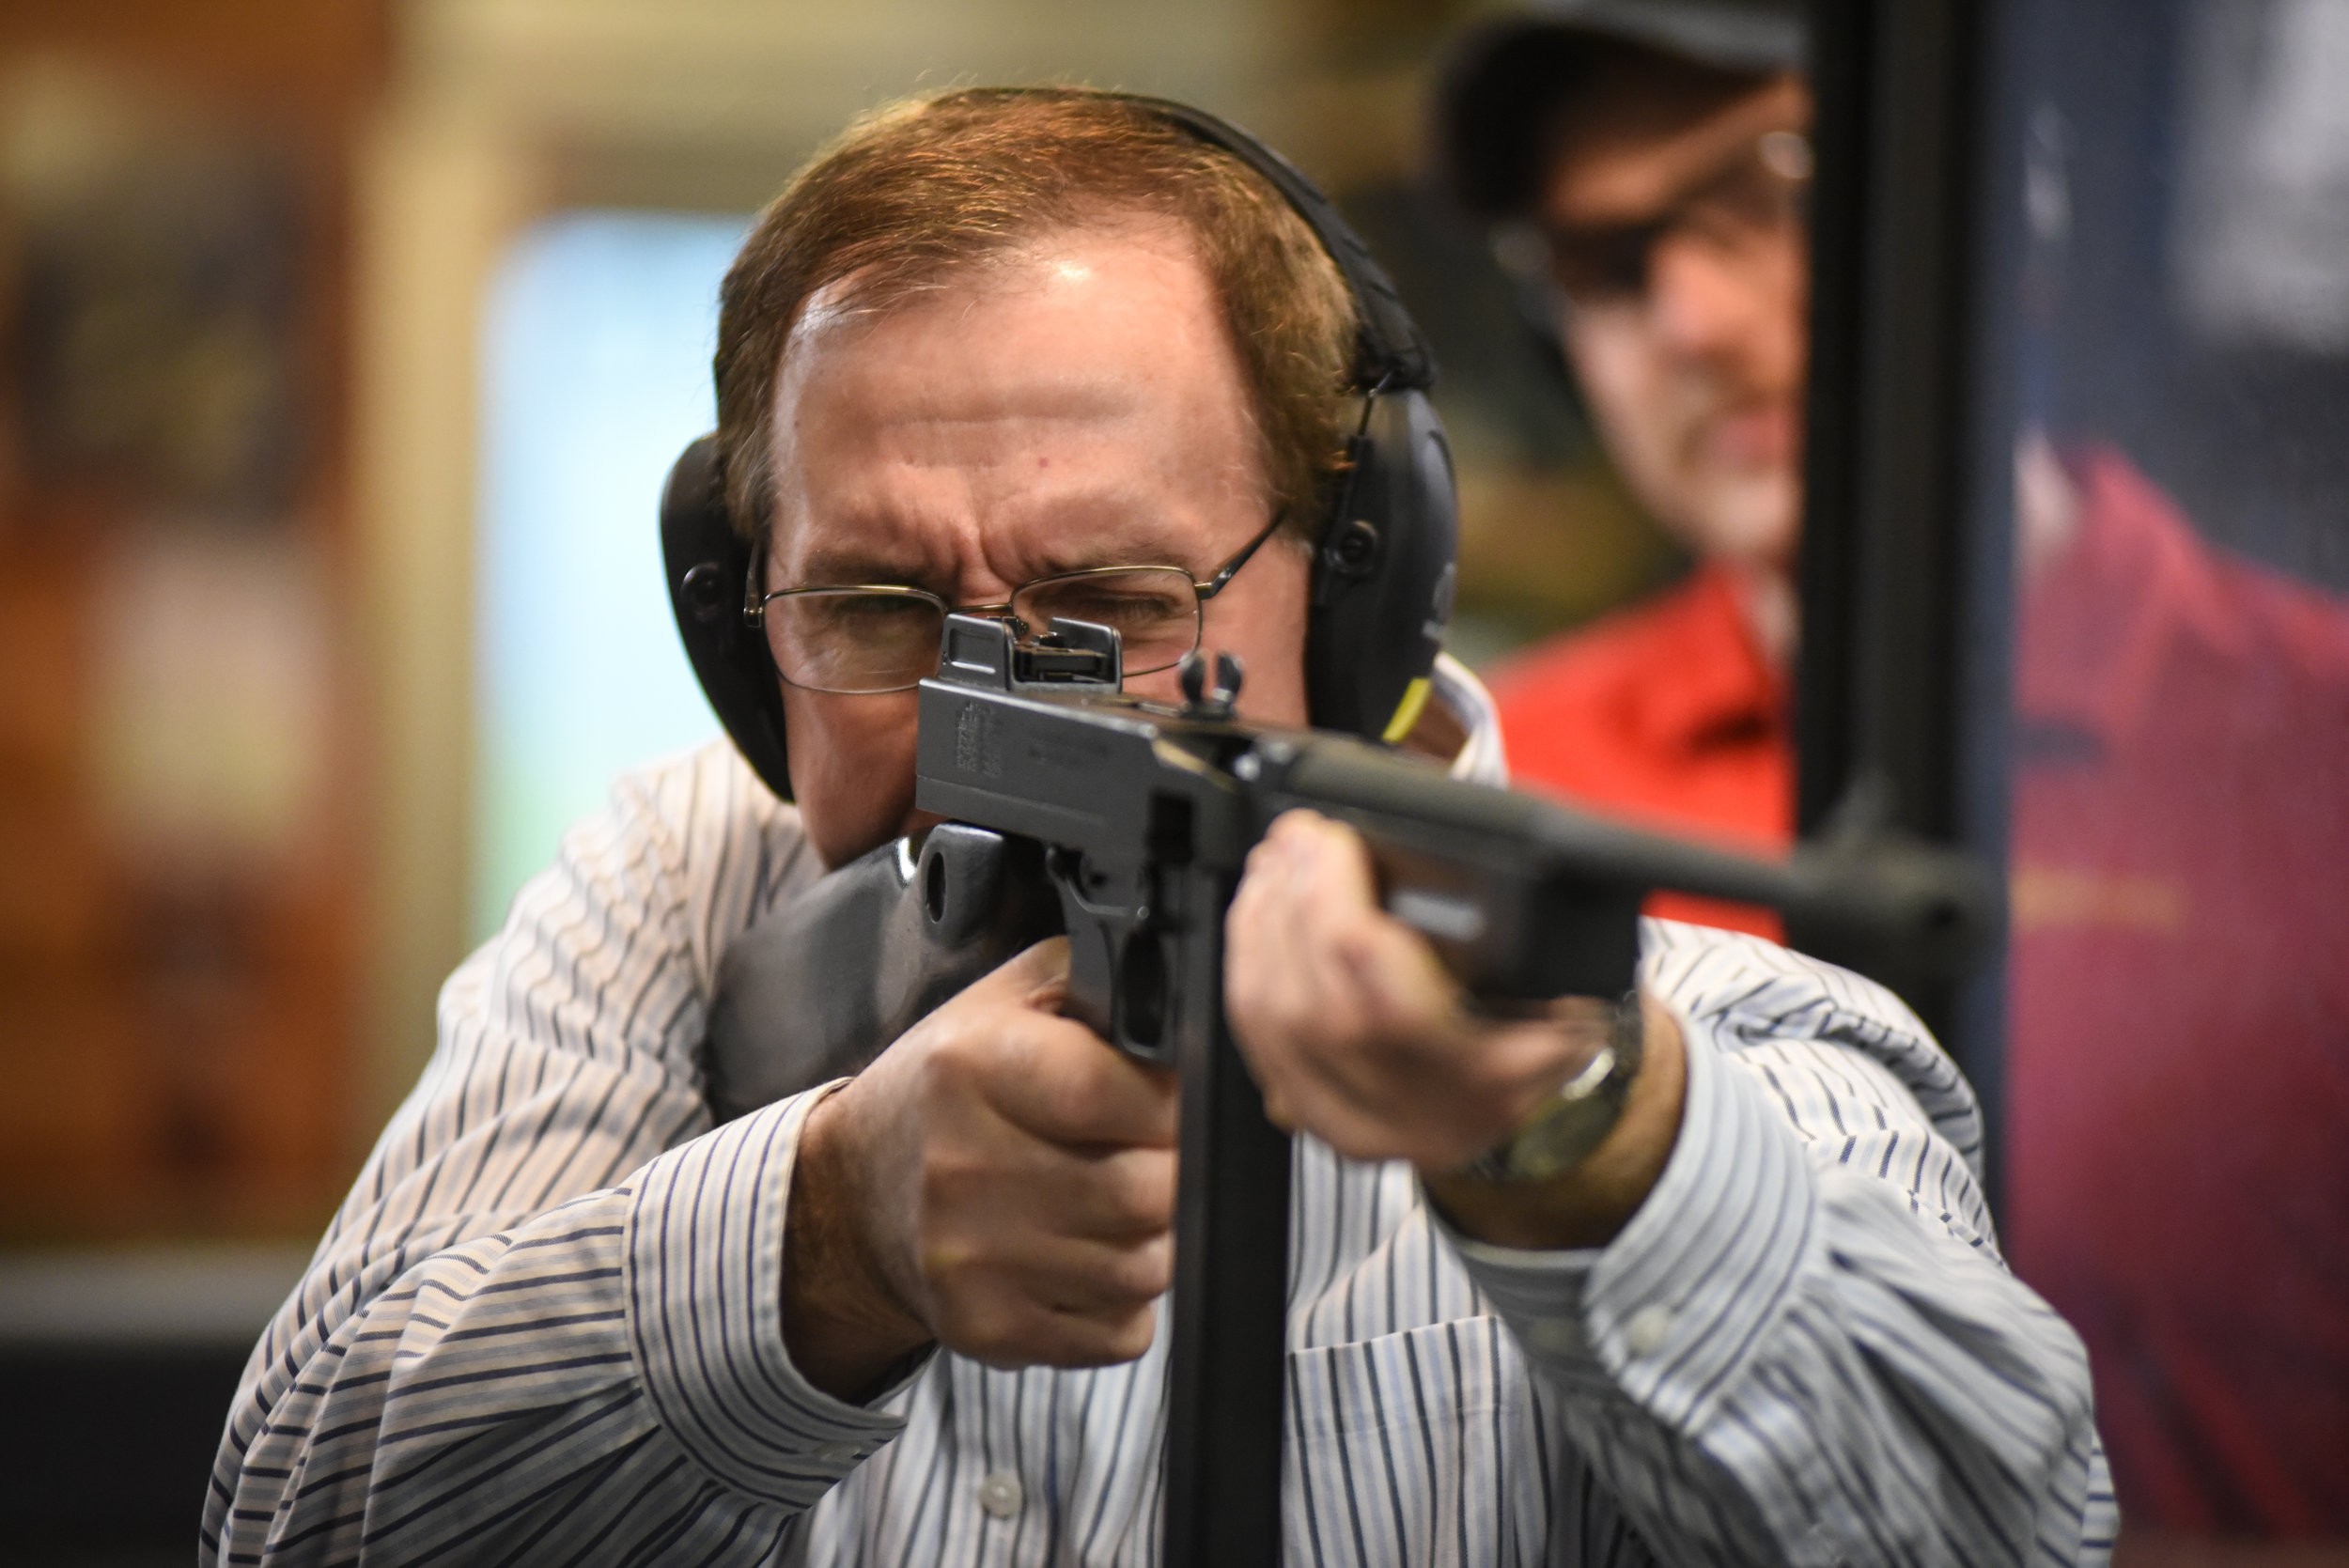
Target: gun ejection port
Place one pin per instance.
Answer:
(1439, 915)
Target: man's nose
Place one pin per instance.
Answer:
(1701, 302)
(976, 586)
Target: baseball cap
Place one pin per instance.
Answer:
(1502, 79)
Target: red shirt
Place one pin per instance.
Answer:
(2178, 1034)
(1666, 713)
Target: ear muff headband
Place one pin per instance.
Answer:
(1392, 354)
(1384, 559)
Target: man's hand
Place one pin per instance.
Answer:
(1357, 1035)
(999, 1180)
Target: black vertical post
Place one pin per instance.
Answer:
(1826, 741)
(1226, 1367)
(1886, 457)
(1881, 684)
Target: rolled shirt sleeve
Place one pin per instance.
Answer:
(549, 1312)
(703, 1292)
(1804, 1347)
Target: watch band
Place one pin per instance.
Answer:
(1565, 1128)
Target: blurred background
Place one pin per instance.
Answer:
(343, 345)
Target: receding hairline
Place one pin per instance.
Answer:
(868, 295)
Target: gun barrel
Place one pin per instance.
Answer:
(1502, 880)
(1935, 909)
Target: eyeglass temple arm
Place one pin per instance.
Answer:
(754, 573)
(1229, 568)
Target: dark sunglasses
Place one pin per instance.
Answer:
(1759, 196)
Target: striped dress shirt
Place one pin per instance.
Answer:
(546, 1326)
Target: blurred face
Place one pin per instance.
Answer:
(1682, 260)
(1078, 404)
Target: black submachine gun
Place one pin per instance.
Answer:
(1071, 806)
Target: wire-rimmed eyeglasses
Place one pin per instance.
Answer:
(865, 638)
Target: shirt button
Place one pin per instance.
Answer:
(1648, 1330)
(999, 1495)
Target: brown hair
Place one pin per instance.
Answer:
(928, 186)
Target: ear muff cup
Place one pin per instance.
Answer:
(1384, 558)
(707, 565)
(1384, 574)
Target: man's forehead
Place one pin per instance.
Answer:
(904, 352)
(1048, 254)
(1081, 404)
(1624, 154)
(897, 543)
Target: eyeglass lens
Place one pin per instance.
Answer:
(864, 640)
(1757, 197)
(854, 640)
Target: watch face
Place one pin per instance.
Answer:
(1565, 1128)
(1563, 1132)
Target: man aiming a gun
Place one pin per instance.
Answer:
(1050, 351)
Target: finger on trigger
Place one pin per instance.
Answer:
(1070, 1088)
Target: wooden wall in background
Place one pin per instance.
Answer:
(183, 736)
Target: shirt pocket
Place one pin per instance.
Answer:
(1412, 1449)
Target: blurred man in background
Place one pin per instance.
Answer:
(2179, 763)
(1646, 167)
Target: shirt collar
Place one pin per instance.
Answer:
(1480, 759)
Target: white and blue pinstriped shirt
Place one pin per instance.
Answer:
(545, 1326)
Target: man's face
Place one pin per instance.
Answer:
(1696, 384)
(1077, 405)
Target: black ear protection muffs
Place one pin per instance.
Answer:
(1384, 558)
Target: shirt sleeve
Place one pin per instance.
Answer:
(549, 1312)
(1805, 1348)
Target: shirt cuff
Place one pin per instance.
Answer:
(704, 1288)
(1670, 1309)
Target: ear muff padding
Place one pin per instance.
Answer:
(708, 567)
(1383, 575)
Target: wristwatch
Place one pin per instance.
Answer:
(1565, 1128)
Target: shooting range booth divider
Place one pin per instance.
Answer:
(1905, 618)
